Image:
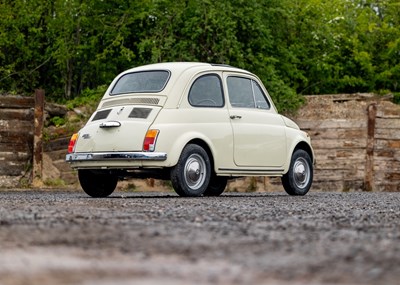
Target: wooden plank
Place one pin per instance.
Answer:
(17, 102)
(340, 172)
(18, 147)
(385, 166)
(388, 110)
(339, 144)
(385, 153)
(340, 154)
(387, 186)
(340, 164)
(15, 156)
(15, 137)
(37, 165)
(388, 134)
(327, 185)
(9, 168)
(17, 114)
(16, 126)
(385, 144)
(337, 174)
(331, 124)
(387, 123)
(341, 185)
(369, 159)
(337, 133)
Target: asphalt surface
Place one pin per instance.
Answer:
(56, 237)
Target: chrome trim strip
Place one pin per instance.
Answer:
(250, 170)
(104, 156)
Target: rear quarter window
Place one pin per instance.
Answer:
(206, 91)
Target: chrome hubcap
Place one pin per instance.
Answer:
(301, 173)
(195, 168)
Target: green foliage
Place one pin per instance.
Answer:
(56, 182)
(396, 98)
(57, 121)
(88, 97)
(70, 48)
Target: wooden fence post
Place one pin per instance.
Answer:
(369, 165)
(38, 139)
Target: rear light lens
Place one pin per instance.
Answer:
(72, 142)
(149, 143)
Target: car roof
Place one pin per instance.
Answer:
(180, 74)
(179, 67)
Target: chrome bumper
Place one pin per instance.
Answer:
(107, 156)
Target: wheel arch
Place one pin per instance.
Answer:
(306, 147)
(303, 145)
(206, 147)
(180, 142)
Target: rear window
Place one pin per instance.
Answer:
(141, 82)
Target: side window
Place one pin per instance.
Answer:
(240, 92)
(206, 91)
(246, 93)
(259, 96)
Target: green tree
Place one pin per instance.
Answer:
(295, 46)
(23, 43)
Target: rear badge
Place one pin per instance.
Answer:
(120, 111)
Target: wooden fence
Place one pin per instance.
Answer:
(356, 139)
(21, 124)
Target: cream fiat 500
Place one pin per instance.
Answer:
(195, 124)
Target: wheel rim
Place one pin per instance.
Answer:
(195, 171)
(301, 173)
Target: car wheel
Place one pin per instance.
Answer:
(217, 185)
(298, 180)
(97, 184)
(191, 175)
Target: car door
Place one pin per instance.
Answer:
(258, 131)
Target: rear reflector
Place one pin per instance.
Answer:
(149, 143)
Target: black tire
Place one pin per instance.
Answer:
(191, 175)
(217, 185)
(97, 183)
(298, 180)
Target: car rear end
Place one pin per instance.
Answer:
(119, 133)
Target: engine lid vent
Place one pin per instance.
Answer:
(126, 101)
(140, 113)
(100, 115)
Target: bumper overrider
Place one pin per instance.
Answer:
(115, 156)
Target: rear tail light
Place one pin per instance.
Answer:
(72, 142)
(149, 143)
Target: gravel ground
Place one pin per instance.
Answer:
(56, 237)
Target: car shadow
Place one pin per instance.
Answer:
(175, 196)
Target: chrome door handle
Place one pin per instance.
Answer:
(233, 117)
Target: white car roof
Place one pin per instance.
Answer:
(181, 72)
(179, 67)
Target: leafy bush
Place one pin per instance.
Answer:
(396, 98)
(57, 121)
(89, 97)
